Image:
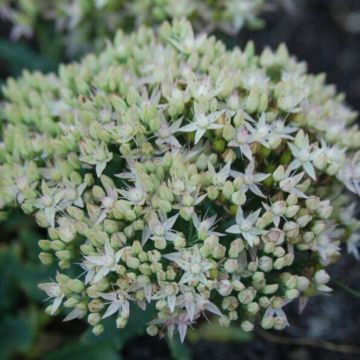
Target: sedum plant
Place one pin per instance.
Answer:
(172, 173)
(86, 24)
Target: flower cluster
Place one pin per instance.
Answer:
(86, 24)
(170, 172)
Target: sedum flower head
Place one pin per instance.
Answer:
(84, 25)
(170, 171)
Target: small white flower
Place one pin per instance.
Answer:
(49, 202)
(204, 227)
(202, 123)
(108, 201)
(53, 291)
(327, 245)
(278, 313)
(194, 265)
(219, 178)
(289, 183)
(103, 263)
(251, 179)
(118, 302)
(301, 150)
(353, 245)
(165, 135)
(242, 140)
(245, 226)
(167, 291)
(194, 303)
(135, 195)
(350, 174)
(160, 228)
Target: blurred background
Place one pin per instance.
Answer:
(324, 33)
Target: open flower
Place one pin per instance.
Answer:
(246, 226)
(202, 123)
(251, 179)
(118, 302)
(53, 291)
(194, 265)
(98, 266)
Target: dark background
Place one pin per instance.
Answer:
(317, 31)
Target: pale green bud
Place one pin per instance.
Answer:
(321, 277)
(152, 330)
(291, 281)
(247, 326)
(312, 203)
(270, 289)
(304, 220)
(318, 227)
(132, 262)
(238, 198)
(44, 245)
(236, 247)
(98, 192)
(264, 302)
(291, 211)
(117, 240)
(228, 189)
(230, 303)
(279, 323)
(63, 255)
(279, 208)
(302, 283)
(94, 318)
(253, 308)
(145, 269)
(267, 323)
(292, 199)
(228, 132)
(238, 285)
(231, 265)
(96, 305)
(212, 192)
(292, 294)
(252, 101)
(308, 236)
(279, 173)
(218, 252)
(246, 296)
(75, 213)
(71, 302)
(186, 213)
(75, 285)
(291, 229)
(154, 256)
(269, 248)
(280, 263)
(98, 329)
(265, 263)
(46, 258)
(233, 315)
(159, 242)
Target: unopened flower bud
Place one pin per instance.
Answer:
(321, 277)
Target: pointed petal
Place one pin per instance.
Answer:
(234, 229)
(112, 309)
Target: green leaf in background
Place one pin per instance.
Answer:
(9, 265)
(16, 335)
(18, 56)
(178, 350)
(217, 333)
(81, 351)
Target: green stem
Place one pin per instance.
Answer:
(348, 289)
